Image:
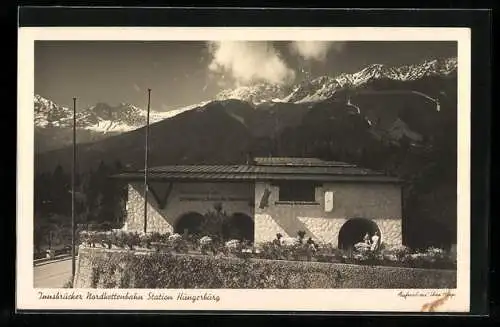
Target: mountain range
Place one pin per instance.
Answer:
(401, 120)
(53, 122)
(324, 87)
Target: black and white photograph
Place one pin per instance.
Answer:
(169, 171)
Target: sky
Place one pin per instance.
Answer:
(181, 73)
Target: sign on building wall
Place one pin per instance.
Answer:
(211, 196)
(264, 201)
(329, 201)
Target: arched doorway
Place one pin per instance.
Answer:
(239, 226)
(354, 230)
(190, 221)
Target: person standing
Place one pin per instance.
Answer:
(375, 241)
(366, 238)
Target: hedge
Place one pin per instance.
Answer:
(104, 268)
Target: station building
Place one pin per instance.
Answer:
(332, 202)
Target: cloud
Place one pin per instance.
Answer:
(249, 61)
(136, 87)
(315, 50)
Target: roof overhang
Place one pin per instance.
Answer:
(199, 177)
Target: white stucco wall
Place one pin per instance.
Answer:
(378, 202)
(163, 220)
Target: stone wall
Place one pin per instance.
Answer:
(102, 268)
(185, 198)
(135, 212)
(380, 203)
(390, 231)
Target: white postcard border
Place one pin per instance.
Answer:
(288, 300)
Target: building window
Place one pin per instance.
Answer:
(297, 192)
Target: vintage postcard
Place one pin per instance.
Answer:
(277, 169)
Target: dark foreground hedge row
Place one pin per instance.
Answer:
(105, 268)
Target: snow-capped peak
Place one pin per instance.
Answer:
(101, 117)
(256, 93)
(48, 113)
(323, 87)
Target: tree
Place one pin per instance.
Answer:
(105, 198)
(119, 194)
(42, 194)
(60, 187)
(38, 232)
(214, 222)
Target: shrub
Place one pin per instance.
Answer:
(91, 237)
(294, 251)
(289, 241)
(68, 284)
(192, 241)
(105, 226)
(125, 269)
(328, 253)
(239, 249)
(270, 250)
(83, 236)
(177, 243)
(233, 246)
(301, 234)
(206, 244)
(166, 270)
(282, 248)
(145, 239)
(126, 239)
(130, 239)
(432, 258)
(396, 253)
(362, 247)
(435, 252)
(120, 238)
(106, 238)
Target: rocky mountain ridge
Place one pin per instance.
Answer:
(324, 87)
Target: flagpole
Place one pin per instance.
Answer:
(73, 180)
(146, 157)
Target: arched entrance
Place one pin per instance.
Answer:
(239, 226)
(354, 230)
(190, 221)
